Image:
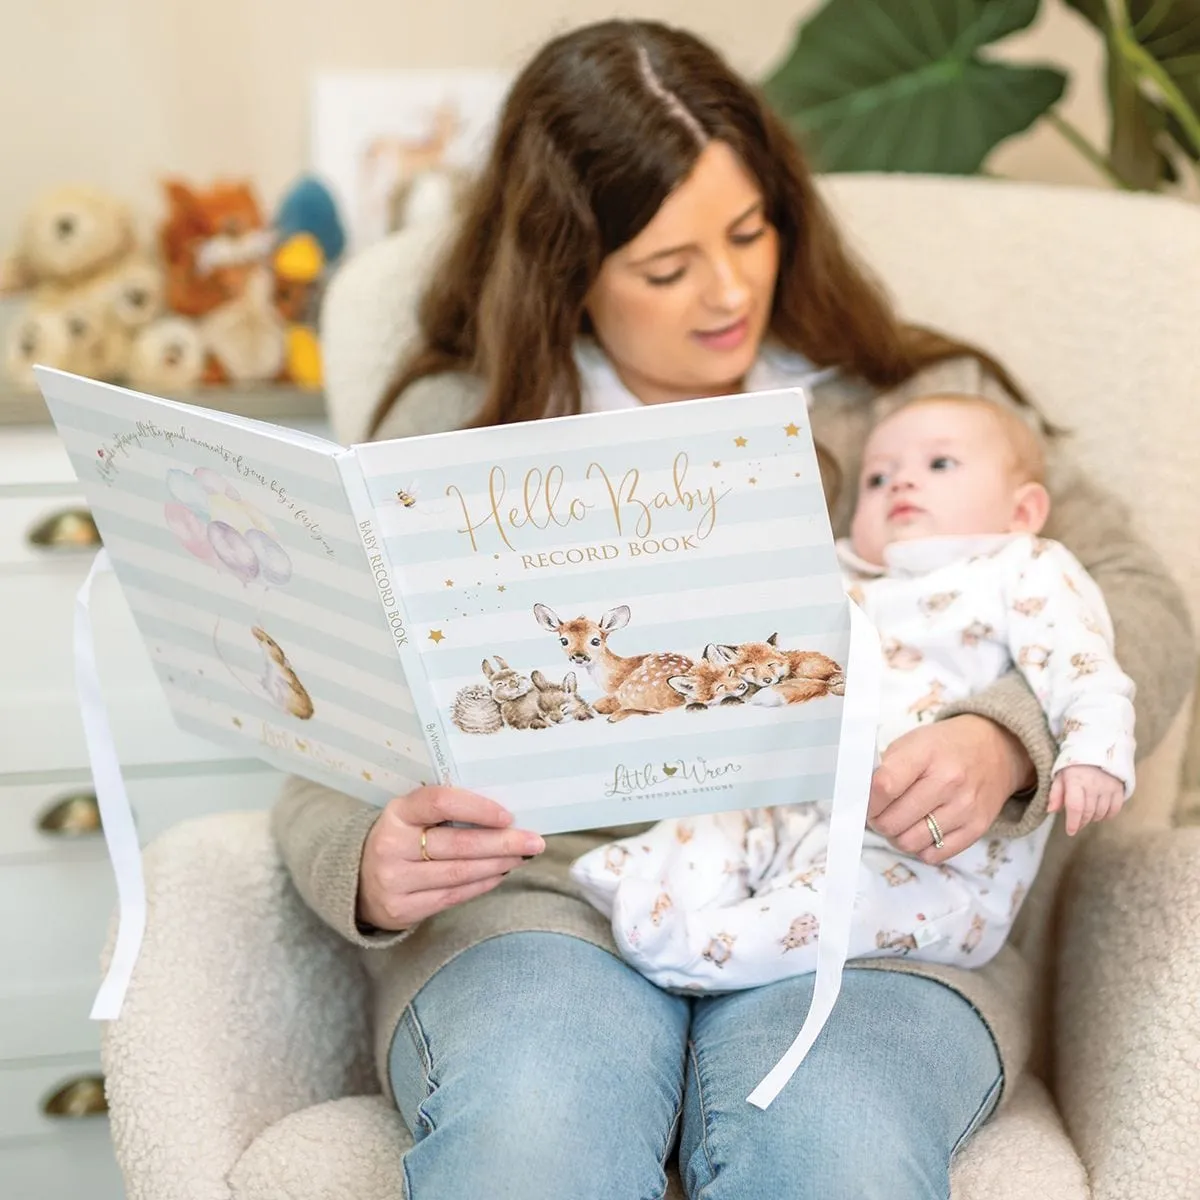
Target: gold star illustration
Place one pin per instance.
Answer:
(436, 635)
(791, 430)
(502, 588)
(752, 479)
(739, 441)
(367, 776)
(449, 582)
(238, 722)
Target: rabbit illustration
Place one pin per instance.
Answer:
(516, 695)
(476, 710)
(279, 681)
(561, 702)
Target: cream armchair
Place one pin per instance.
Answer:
(240, 1066)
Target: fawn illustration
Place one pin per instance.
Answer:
(632, 685)
(777, 677)
(710, 682)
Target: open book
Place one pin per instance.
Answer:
(594, 620)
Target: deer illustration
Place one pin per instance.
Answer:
(633, 685)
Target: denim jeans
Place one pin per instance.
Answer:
(536, 1066)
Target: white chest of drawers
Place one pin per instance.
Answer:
(56, 885)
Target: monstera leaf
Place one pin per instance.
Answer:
(901, 85)
(1164, 36)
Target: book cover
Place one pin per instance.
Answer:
(622, 616)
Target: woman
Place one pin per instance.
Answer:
(645, 232)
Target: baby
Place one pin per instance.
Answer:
(945, 559)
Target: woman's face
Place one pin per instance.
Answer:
(682, 309)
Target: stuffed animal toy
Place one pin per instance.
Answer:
(210, 241)
(88, 286)
(245, 337)
(167, 356)
(68, 237)
(310, 240)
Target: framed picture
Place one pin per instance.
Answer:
(395, 147)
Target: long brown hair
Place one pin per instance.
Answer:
(599, 128)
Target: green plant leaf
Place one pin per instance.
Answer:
(900, 85)
(1169, 31)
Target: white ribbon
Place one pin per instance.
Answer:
(851, 790)
(120, 833)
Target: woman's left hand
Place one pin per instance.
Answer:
(960, 771)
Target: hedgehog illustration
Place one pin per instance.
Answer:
(475, 711)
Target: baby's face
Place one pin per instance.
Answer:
(936, 469)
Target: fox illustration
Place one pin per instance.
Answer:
(775, 676)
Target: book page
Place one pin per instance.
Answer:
(623, 616)
(237, 550)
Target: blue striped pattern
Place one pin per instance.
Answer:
(328, 612)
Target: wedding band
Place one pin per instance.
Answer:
(935, 831)
(424, 846)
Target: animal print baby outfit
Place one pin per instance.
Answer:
(733, 900)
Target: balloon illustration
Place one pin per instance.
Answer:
(212, 522)
(210, 481)
(273, 563)
(191, 531)
(234, 552)
(187, 490)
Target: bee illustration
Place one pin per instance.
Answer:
(407, 496)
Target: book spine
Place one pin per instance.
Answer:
(391, 597)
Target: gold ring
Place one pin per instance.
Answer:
(935, 831)
(424, 846)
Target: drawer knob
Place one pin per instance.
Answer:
(77, 815)
(80, 1097)
(71, 529)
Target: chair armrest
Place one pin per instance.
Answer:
(242, 1009)
(1127, 1024)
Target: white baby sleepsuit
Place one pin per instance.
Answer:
(733, 900)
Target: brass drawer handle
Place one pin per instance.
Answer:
(77, 815)
(81, 1097)
(71, 529)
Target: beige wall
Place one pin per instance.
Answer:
(119, 92)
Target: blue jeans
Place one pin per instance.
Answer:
(536, 1066)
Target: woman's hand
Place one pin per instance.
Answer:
(960, 771)
(397, 886)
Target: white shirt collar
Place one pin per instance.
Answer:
(774, 368)
(919, 556)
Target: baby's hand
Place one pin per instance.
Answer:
(1088, 793)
